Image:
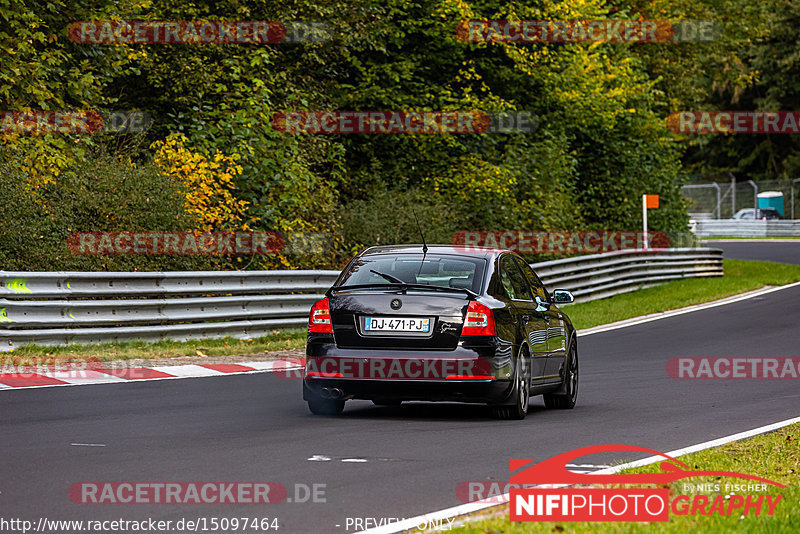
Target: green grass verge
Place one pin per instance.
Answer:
(775, 456)
(280, 340)
(740, 276)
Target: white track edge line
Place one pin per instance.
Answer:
(464, 509)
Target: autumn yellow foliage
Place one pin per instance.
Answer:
(208, 182)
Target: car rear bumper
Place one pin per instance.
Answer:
(491, 392)
(476, 372)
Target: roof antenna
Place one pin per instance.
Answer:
(424, 246)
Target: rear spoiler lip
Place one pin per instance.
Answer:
(404, 287)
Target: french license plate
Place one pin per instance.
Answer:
(397, 324)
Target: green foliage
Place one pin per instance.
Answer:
(601, 141)
(386, 218)
(752, 65)
(102, 194)
(774, 61)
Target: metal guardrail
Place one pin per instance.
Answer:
(603, 275)
(740, 228)
(125, 284)
(60, 308)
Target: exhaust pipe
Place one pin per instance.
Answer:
(332, 393)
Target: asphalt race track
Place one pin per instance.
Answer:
(787, 251)
(256, 428)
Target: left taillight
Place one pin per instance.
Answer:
(319, 320)
(479, 321)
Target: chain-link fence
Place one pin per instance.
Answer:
(721, 200)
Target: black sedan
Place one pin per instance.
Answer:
(439, 323)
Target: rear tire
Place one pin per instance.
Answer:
(567, 399)
(326, 406)
(522, 392)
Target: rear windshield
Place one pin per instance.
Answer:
(435, 270)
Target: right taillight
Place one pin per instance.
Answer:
(319, 320)
(479, 321)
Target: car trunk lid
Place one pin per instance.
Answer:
(398, 318)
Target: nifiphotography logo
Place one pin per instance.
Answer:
(571, 496)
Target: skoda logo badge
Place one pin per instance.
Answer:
(396, 304)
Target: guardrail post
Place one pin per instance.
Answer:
(755, 199)
(719, 201)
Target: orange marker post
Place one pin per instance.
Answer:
(648, 202)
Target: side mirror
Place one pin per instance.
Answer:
(562, 296)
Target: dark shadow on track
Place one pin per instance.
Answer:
(431, 411)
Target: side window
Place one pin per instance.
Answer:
(512, 280)
(506, 281)
(533, 280)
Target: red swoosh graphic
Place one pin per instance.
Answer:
(554, 470)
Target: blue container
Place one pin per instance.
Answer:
(771, 199)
